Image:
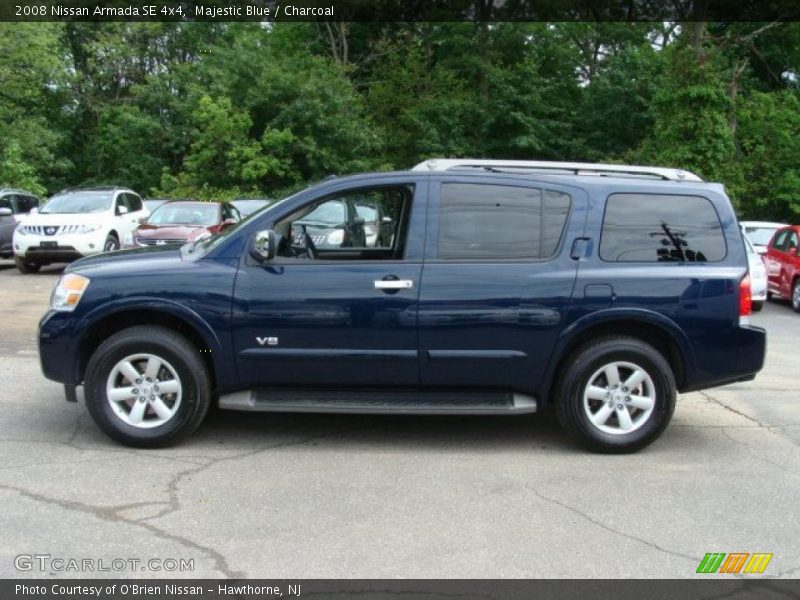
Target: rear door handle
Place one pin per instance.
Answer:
(393, 284)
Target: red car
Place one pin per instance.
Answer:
(182, 221)
(783, 265)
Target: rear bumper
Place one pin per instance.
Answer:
(749, 354)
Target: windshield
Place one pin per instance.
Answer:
(176, 213)
(329, 213)
(760, 236)
(366, 212)
(78, 203)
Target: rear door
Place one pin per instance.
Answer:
(321, 313)
(497, 281)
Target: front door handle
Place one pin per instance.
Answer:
(393, 284)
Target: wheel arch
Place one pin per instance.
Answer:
(652, 328)
(104, 322)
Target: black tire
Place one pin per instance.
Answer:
(111, 244)
(796, 295)
(769, 295)
(188, 365)
(757, 306)
(25, 266)
(576, 374)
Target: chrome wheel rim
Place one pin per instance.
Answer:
(619, 398)
(144, 391)
(111, 245)
(796, 296)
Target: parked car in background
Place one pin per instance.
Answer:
(247, 206)
(153, 203)
(760, 233)
(783, 265)
(180, 221)
(333, 223)
(15, 205)
(758, 275)
(508, 286)
(76, 223)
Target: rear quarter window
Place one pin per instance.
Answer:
(661, 228)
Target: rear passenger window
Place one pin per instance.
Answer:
(661, 228)
(480, 221)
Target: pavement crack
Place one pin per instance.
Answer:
(602, 525)
(711, 398)
(112, 514)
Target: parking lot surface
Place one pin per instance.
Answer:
(269, 495)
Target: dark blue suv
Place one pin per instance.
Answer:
(494, 287)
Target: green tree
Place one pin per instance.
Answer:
(16, 172)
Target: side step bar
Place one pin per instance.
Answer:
(376, 401)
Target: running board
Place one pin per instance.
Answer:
(374, 401)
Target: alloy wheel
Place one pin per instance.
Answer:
(144, 390)
(619, 398)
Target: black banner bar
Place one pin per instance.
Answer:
(383, 589)
(398, 10)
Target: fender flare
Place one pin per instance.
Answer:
(164, 306)
(661, 322)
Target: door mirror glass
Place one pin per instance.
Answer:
(264, 245)
(122, 210)
(6, 212)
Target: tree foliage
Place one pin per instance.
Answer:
(216, 110)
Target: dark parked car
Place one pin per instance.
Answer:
(334, 223)
(180, 221)
(247, 206)
(506, 287)
(14, 206)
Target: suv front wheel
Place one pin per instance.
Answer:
(616, 395)
(147, 387)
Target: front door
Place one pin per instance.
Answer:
(497, 282)
(338, 305)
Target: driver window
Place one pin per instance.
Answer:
(364, 224)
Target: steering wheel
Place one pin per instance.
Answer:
(306, 247)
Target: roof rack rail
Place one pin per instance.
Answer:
(556, 168)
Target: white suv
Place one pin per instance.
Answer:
(76, 223)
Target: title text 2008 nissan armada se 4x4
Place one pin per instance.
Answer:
(497, 287)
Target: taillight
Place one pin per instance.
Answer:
(745, 298)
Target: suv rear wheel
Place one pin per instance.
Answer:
(147, 387)
(25, 266)
(616, 395)
(796, 295)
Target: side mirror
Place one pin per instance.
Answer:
(6, 212)
(122, 210)
(793, 251)
(226, 223)
(386, 220)
(264, 246)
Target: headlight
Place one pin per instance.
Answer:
(68, 292)
(336, 238)
(22, 229)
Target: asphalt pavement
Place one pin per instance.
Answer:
(318, 496)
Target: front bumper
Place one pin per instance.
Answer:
(58, 248)
(58, 347)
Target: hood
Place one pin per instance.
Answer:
(66, 219)
(166, 232)
(137, 258)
